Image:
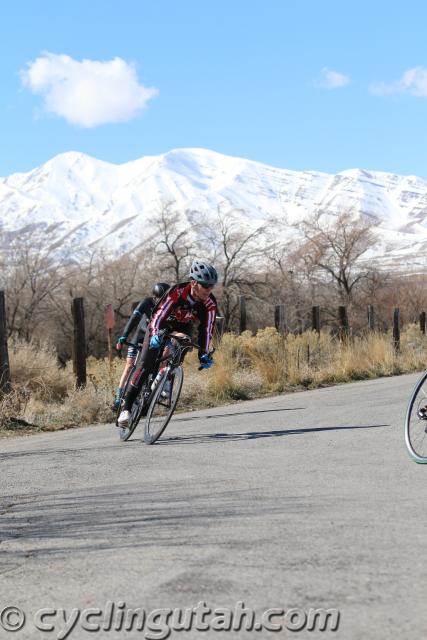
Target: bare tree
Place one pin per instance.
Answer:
(288, 282)
(173, 244)
(32, 271)
(102, 279)
(237, 249)
(335, 245)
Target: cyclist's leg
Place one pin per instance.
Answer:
(143, 366)
(130, 359)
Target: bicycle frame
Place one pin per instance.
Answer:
(180, 343)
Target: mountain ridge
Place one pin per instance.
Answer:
(95, 202)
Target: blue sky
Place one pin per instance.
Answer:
(306, 85)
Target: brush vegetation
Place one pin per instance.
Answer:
(247, 366)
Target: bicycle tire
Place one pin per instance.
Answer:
(138, 409)
(155, 424)
(415, 427)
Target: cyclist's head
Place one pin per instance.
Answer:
(203, 273)
(203, 278)
(160, 289)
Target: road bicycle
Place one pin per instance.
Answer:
(158, 397)
(416, 422)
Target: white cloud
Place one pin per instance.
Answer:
(87, 93)
(330, 79)
(413, 81)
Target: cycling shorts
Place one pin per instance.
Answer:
(132, 352)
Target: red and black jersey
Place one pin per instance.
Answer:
(178, 306)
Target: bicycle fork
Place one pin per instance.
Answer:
(161, 374)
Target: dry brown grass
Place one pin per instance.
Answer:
(35, 367)
(246, 366)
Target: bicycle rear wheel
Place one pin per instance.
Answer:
(416, 426)
(135, 416)
(162, 408)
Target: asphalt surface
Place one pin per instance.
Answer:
(302, 501)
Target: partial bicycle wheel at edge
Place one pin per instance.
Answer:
(161, 409)
(416, 427)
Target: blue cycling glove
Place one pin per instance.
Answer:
(206, 361)
(155, 342)
(121, 339)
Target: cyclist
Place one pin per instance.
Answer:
(137, 325)
(178, 310)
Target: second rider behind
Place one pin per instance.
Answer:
(179, 309)
(137, 326)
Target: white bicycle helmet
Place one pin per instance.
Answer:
(204, 273)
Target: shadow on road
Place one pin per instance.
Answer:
(162, 514)
(151, 513)
(71, 451)
(235, 413)
(250, 435)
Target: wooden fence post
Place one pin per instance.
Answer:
(423, 322)
(4, 353)
(396, 329)
(279, 318)
(79, 342)
(371, 317)
(219, 326)
(242, 314)
(344, 328)
(315, 318)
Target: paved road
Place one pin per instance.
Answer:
(304, 501)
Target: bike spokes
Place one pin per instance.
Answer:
(163, 405)
(136, 412)
(416, 422)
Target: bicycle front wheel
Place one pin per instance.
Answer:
(163, 405)
(416, 424)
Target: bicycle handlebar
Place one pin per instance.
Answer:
(130, 344)
(183, 340)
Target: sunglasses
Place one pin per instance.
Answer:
(205, 286)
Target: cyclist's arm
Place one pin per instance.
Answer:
(206, 327)
(146, 307)
(134, 318)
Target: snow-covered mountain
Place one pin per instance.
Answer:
(94, 202)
